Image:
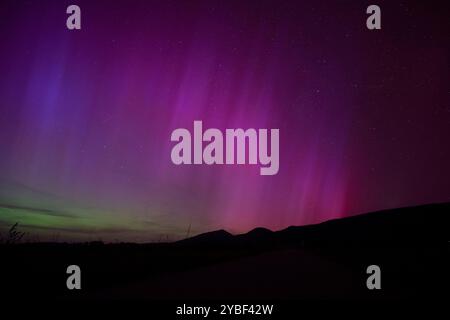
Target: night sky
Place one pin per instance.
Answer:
(86, 115)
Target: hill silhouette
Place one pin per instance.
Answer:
(326, 260)
(421, 224)
(210, 238)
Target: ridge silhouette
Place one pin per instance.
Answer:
(419, 224)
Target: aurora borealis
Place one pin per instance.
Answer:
(86, 115)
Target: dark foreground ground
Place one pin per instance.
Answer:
(324, 261)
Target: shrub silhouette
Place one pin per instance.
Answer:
(14, 235)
